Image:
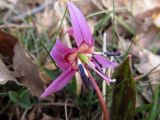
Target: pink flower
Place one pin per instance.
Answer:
(81, 59)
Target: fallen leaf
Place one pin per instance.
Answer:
(5, 74)
(7, 43)
(87, 6)
(148, 61)
(148, 28)
(135, 6)
(27, 71)
(47, 21)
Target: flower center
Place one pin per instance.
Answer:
(83, 57)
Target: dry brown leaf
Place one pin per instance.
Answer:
(148, 29)
(87, 6)
(135, 6)
(5, 74)
(156, 18)
(148, 61)
(7, 43)
(47, 21)
(27, 71)
(150, 38)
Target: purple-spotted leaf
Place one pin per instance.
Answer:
(124, 95)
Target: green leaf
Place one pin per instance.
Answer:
(124, 94)
(52, 74)
(22, 98)
(13, 96)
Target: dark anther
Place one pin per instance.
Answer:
(112, 53)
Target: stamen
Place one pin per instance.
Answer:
(108, 53)
(101, 74)
(99, 64)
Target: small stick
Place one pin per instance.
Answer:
(54, 104)
(15, 26)
(65, 108)
(144, 75)
(104, 69)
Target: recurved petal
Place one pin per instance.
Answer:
(80, 27)
(104, 61)
(58, 53)
(60, 82)
(70, 32)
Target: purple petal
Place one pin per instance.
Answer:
(80, 27)
(104, 61)
(70, 32)
(58, 53)
(60, 82)
(108, 80)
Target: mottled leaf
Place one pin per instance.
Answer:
(124, 95)
(153, 114)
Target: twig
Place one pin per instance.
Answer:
(15, 26)
(150, 82)
(144, 75)
(65, 108)
(24, 114)
(54, 104)
(104, 11)
(104, 69)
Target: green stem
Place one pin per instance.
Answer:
(58, 31)
(100, 98)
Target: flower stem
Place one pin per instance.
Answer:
(100, 98)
